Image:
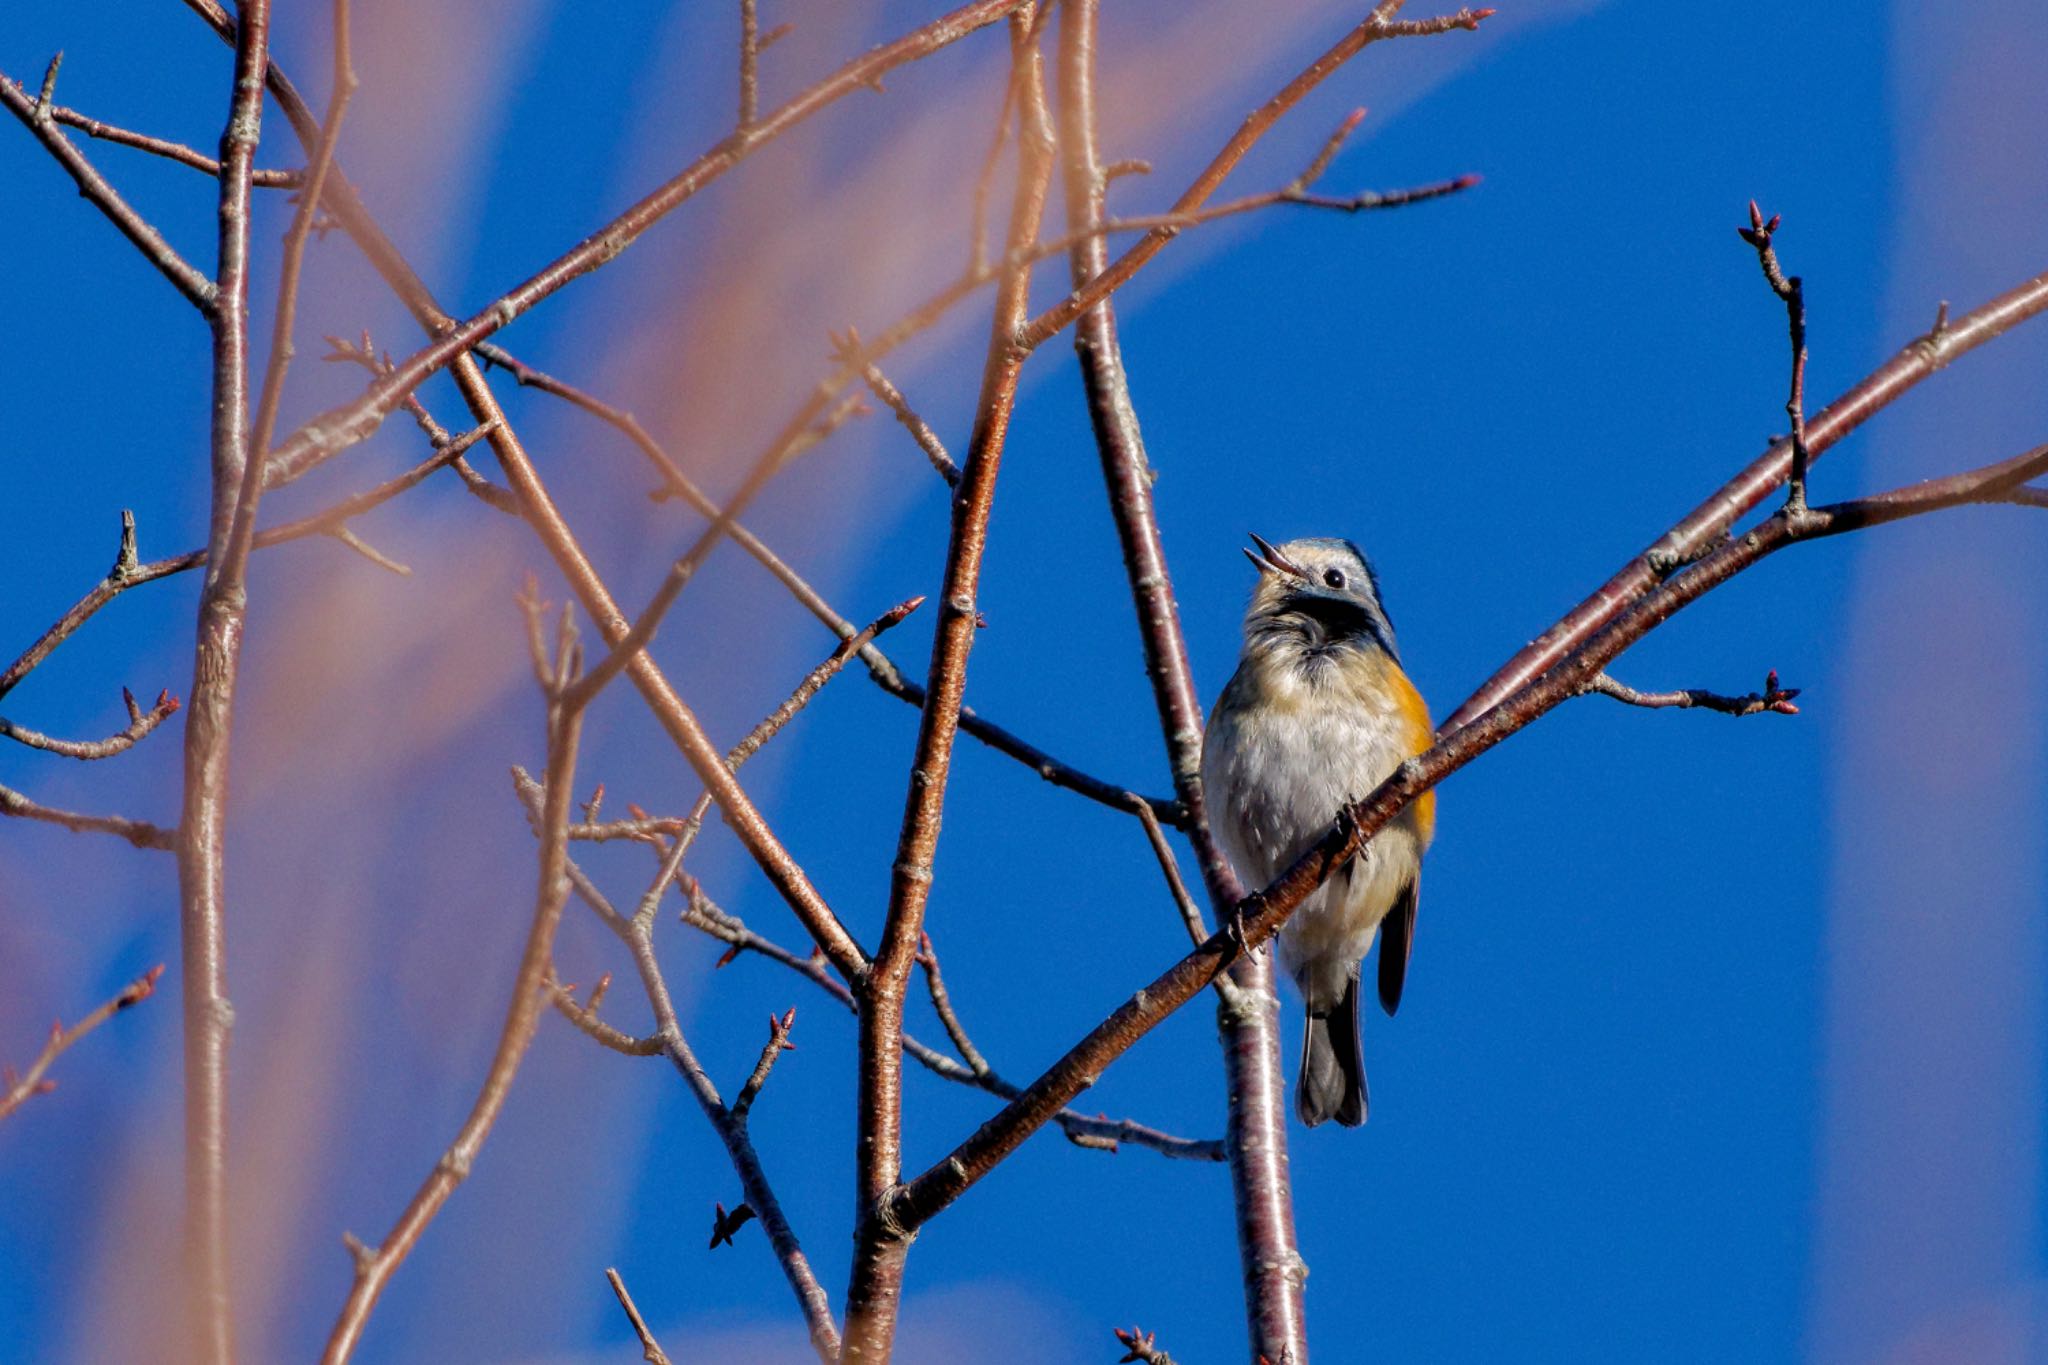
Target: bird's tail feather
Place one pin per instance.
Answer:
(1332, 1080)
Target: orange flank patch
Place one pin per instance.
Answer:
(1415, 715)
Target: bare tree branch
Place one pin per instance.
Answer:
(1707, 523)
(874, 1293)
(39, 117)
(374, 1266)
(170, 151)
(650, 1349)
(1264, 911)
(236, 486)
(1772, 699)
(1759, 235)
(140, 724)
(16, 1089)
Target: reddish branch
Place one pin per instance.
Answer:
(39, 117)
(1706, 524)
(16, 1089)
(874, 1293)
(1097, 1131)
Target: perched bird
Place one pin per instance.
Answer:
(1317, 715)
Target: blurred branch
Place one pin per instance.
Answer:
(779, 1027)
(892, 398)
(16, 1089)
(374, 1266)
(363, 354)
(881, 668)
(1772, 699)
(650, 1350)
(340, 427)
(39, 117)
(129, 572)
(140, 723)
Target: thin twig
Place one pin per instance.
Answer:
(140, 723)
(530, 989)
(1141, 1346)
(893, 399)
(1773, 699)
(650, 1349)
(779, 1027)
(881, 668)
(768, 726)
(14, 1090)
(170, 151)
(1097, 1132)
(1759, 234)
(129, 572)
(928, 958)
(584, 1016)
(39, 117)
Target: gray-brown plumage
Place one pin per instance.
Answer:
(1318, 714)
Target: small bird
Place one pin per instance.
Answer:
(1317, 715)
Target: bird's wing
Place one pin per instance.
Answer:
(1397, 942)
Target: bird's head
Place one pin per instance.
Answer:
(1319, 592)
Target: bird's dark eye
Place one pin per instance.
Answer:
(1334, 577)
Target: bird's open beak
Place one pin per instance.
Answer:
(1270, 560)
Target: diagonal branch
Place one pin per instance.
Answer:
(374, 1266)
(1706, 524)
(15, 1090)
(881, 668)
(39, 117)
(1264, 911)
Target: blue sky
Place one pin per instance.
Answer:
(1722, 1041)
